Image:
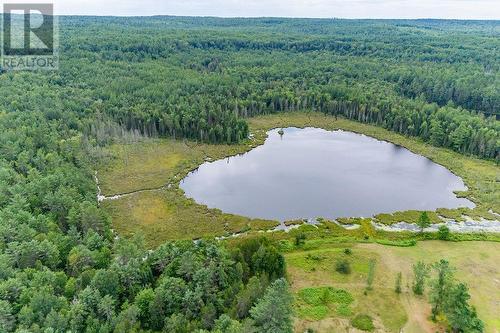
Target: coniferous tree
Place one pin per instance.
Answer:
(273, 313)
(461, 316)
(421, 273)
(441, 286)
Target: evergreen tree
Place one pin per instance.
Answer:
(273, 313)
(461, 316)
(423, 221)
(421, 273)
(441, 286)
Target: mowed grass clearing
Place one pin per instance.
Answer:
(476, 263)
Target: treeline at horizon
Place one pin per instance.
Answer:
(198, 78)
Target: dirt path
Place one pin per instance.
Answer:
(418, 313)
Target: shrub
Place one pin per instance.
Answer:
(316, 312)
(343, 267)
(318, 302)
(348, 251)
(443, 232)
(363, 322)
(325, 295)
(399, 279)
(340, 296)
(300, 239)
(285, 245)
(371, 274)
(400, 243)
(314, 257)
(344, 310)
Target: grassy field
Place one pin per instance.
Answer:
(312, 271)
(160, 164)
(167, 215)
(153, 163)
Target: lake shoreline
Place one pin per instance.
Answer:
(144, 159)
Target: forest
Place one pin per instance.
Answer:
(62, 267)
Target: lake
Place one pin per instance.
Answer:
(311, 172)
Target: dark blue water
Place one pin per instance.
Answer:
(311, 172)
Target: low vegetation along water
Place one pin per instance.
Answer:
(311, 172)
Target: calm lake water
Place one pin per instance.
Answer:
(311, 172)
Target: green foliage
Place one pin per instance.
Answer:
(144, 301)
(7, 320)
(227, 325)
(300, 239)
(399, 279)
(247, 297)
(318, 302)
(452, 300)
(343, 310)
(325, 295)
(400, 242)
(285, 245)
(273, 312)
(343, 266)
(363, 322)
(461, 316)
(443, 232)
(61, 268)
(258, 256)
(421, 273)
(423, 221)
(410, 216)
(315, 312)
(441, 286)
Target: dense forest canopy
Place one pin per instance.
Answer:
(199, 78)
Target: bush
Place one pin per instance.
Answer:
(285, 245)
(300, 239)
(344, 310)
(343, 267)
(348, 251)
(318, 302)
(325, 295)
(399, 279)
(363, 322)
(400, 243)
(443, 232)
(314, 257)
(371, 274)
(316, 312)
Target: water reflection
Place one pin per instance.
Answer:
(308, 173)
